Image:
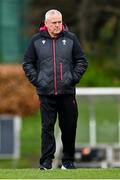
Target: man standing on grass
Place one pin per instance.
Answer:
(54, 63)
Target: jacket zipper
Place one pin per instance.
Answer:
(54, 66)
(61, 72)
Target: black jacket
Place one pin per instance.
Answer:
(54, 66)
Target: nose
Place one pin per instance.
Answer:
(57, 24)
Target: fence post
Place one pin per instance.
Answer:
(92, 122)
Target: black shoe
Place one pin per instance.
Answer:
(45, 166)
(67, 165)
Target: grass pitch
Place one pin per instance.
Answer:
(60, 174)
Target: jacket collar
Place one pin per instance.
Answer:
(44, 32)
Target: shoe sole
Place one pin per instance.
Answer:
(44, 168)
(63, 168)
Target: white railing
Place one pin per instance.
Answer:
(91, 92)
(97, 91)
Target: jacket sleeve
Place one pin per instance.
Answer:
(29, 63)
(79, 60)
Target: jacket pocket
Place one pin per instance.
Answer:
(61, 71)
(43, 79)
(68, 79)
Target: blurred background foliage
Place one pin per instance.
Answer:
(96, 23)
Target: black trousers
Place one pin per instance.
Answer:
(66, 107)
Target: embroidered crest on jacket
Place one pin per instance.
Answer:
(64, 42)
(43, 41)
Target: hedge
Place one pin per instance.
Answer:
(17, 95)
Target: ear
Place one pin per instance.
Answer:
(45, 22)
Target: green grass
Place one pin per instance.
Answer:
(60, 174)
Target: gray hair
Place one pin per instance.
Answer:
(52, 12)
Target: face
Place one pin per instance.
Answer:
(54, 25)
